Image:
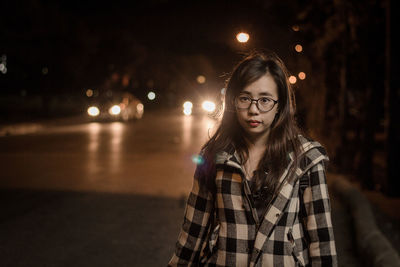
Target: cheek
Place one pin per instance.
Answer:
(240, 115)
(269, 118)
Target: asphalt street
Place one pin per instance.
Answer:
(107, 194)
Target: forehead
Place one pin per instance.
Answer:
(264, 86)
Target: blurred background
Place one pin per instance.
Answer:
(104, 106)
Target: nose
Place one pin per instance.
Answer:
(253, 109)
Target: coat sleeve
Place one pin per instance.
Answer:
(322, 249)
(196, 223)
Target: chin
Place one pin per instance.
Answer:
(256, 131)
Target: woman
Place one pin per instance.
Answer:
(260, 198)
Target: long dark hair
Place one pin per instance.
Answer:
(283, 136)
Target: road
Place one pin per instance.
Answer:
(106, 194)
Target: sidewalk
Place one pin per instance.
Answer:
(387, 214)
(35, 126)
(376, 232)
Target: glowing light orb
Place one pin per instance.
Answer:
(93, 111)
(201, 79)
(242, 37)
(151, 95)
(302, 75)
(187, 111)
(208, 106)
(115, 110)
(292, 79)
(89, 92)
(197, 159)
(140, 107)
(188, 105)
(298, 48)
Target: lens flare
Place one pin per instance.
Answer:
(197, 159)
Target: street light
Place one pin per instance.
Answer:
(298, 48)
(201, 79)
(242, 37)
(151, 95)
(302, 75)
(292, 79)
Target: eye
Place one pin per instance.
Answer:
(244, 98)
(265, 100)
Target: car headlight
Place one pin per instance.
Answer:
(140, 107)
(208, 106)
(187, 108)
(187, 105)
(115, 110)
(93, 111)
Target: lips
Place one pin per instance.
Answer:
(254, 123)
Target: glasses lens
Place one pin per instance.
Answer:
(265, 104)
(243, 102)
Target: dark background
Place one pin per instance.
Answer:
(53, 51)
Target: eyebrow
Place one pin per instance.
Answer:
(262, 93)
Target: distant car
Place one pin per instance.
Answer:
(208, 105)
(115, 106)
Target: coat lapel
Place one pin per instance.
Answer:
(310, 156)
(275, 210)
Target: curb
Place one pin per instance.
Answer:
(373, 246)
(21, 128)
(34, 127)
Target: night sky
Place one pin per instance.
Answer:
(63, 47)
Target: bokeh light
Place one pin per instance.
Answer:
(93, 111)
(201, 79)
(242, 37)
(208, 106)
(151, 95)
(301, 75)
(187, 105)
(198, 159)
(115, 110)
(298, 48)
(89, 92)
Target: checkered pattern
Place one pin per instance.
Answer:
(237, 237)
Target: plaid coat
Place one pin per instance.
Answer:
(224, 229)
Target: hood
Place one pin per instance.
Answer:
(313, 150)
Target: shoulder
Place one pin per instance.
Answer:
(313, 153)
(312, 147)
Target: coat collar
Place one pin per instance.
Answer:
(231, 157)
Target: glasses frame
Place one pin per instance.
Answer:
(256, 100)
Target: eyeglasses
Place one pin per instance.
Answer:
(264, 104)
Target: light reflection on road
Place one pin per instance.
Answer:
(186, 131)
(117, 129)
(152, 156)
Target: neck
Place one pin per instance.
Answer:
(257, 142)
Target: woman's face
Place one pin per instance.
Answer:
(257, 123)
